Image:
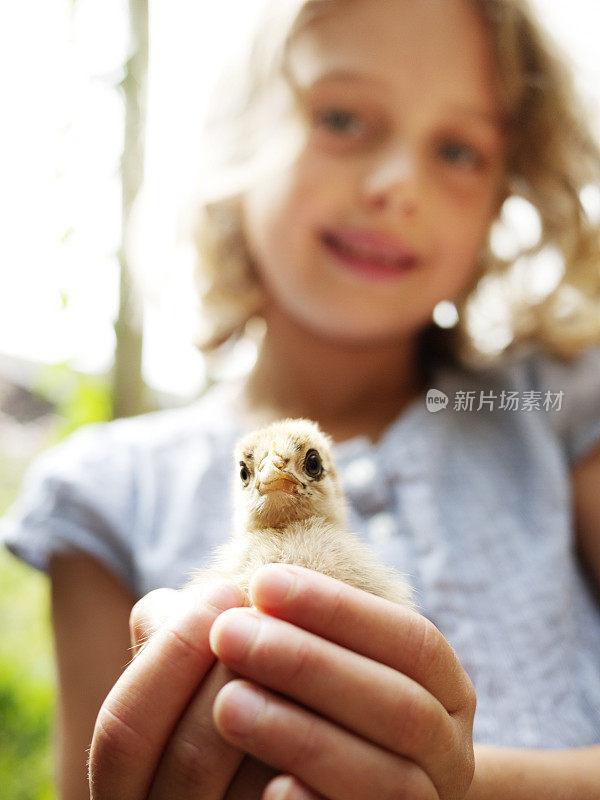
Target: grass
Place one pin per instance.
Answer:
(27, 685)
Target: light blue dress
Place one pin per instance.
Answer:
(472, 502)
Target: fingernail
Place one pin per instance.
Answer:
(243, 709)
(271, 585)
(282, 788)
(232, 633)
(221, 595)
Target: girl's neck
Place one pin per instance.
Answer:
(350, 389)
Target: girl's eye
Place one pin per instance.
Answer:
(460, 155)
(339, 121)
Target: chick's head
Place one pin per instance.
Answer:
(285, 473)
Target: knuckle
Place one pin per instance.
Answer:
(291, 655)
(328, 598)
(114, 739)
(415, 786)
(405, 782)
(466, 705)
(412, 720)
(304, 662)
(305, 749)
(338, 599)
(471, 698)
(185, 649)
(425, 643)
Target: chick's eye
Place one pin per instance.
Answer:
(313, 465)
(244, 474)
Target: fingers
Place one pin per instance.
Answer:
(197, 761)
(143, 707)
(397, 636)
(328, 759)
(366, 697)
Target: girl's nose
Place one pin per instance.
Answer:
(391, 182)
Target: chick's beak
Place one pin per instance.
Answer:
(274, 476)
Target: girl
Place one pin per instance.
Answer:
(398, 129)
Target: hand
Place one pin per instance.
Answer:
(351, 695)
(154, 736)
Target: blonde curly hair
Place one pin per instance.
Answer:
(552, 159)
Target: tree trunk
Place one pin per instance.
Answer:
(129, 390)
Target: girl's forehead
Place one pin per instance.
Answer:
(437, 46)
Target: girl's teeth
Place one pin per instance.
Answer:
(366, 253)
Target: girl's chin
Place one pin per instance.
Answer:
(346, 315)
(355, 330)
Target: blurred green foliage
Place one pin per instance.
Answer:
(27, 689)
(27, 681)
(79, 399)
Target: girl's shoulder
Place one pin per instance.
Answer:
(94, 490)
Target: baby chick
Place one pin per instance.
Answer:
(290, 508)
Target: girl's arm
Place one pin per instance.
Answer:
(90, 613)
(586, 496)
(569, 774)
(511, 774)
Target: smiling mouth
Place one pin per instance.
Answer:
(369, 254)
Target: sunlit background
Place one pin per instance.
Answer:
(62, 132)
(60, 62)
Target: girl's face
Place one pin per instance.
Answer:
(383, 212)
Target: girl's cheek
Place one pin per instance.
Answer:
(323, 169)
(466, 211)
(315, 193)
(466, 190)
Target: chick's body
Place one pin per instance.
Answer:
(290, 508)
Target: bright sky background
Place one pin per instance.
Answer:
(61, 142)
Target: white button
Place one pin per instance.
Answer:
(359, 473)
(382, 527)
